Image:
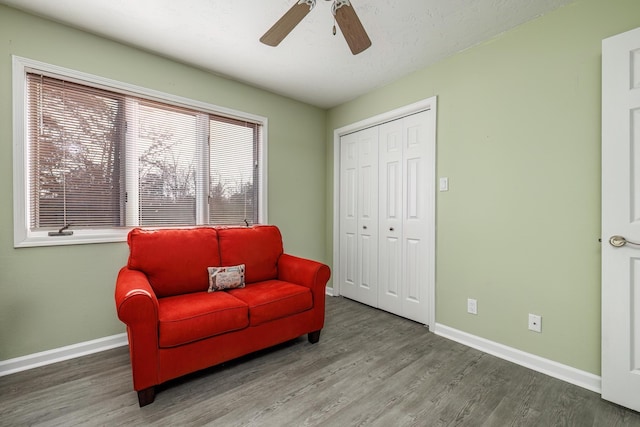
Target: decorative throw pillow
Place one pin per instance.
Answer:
(221, 278)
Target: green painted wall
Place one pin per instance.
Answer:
(519, 139)
(52, 297)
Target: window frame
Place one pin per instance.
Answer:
(23, 235)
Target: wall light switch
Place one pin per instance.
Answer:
(444, 183)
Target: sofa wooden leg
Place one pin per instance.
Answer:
(314, 336)
(146, 396)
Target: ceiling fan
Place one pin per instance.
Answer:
(344, 14)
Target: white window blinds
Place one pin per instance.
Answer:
(233, 195)
(162, 173)
(75, 135)
(102, 159)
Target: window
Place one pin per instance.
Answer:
(100, 157)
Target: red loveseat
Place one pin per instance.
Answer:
(175, 326)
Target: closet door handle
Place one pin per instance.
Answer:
(391, 228)
(364, 227)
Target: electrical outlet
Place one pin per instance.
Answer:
(472, 306)
(535, 323)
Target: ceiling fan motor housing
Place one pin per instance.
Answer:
(337, 4)
(310, 3)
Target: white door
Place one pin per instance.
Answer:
(359, 216)
(419, 207)
(391, 216)
(621, 218)
(407, 152)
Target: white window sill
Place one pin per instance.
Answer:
(79, 237)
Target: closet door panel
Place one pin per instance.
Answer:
(351, 256)
(367, 227)
(417, 184)
(349, 273)
(391, 216)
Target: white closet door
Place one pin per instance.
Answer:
(390, 219)
(359, 216)
(348, 214)
(419, 193)
(385, 183)
(406, 185)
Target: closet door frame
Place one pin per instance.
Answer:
(425, 104)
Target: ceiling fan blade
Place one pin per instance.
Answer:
(286, 24)
(351, 27)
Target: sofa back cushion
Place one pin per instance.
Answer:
(258, 248)
(174, 260)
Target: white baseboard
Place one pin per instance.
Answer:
(329, 291)
(30, 361)
(546, 366)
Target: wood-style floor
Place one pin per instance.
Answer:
(370, 368)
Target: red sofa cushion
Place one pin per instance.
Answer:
(273, 299)
(174, 260)
(191, 317)
(258, 248)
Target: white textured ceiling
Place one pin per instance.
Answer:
(310, 65)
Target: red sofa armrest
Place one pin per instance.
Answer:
(137, 307)
(305, 272)
(313, 275)
(136, 302)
